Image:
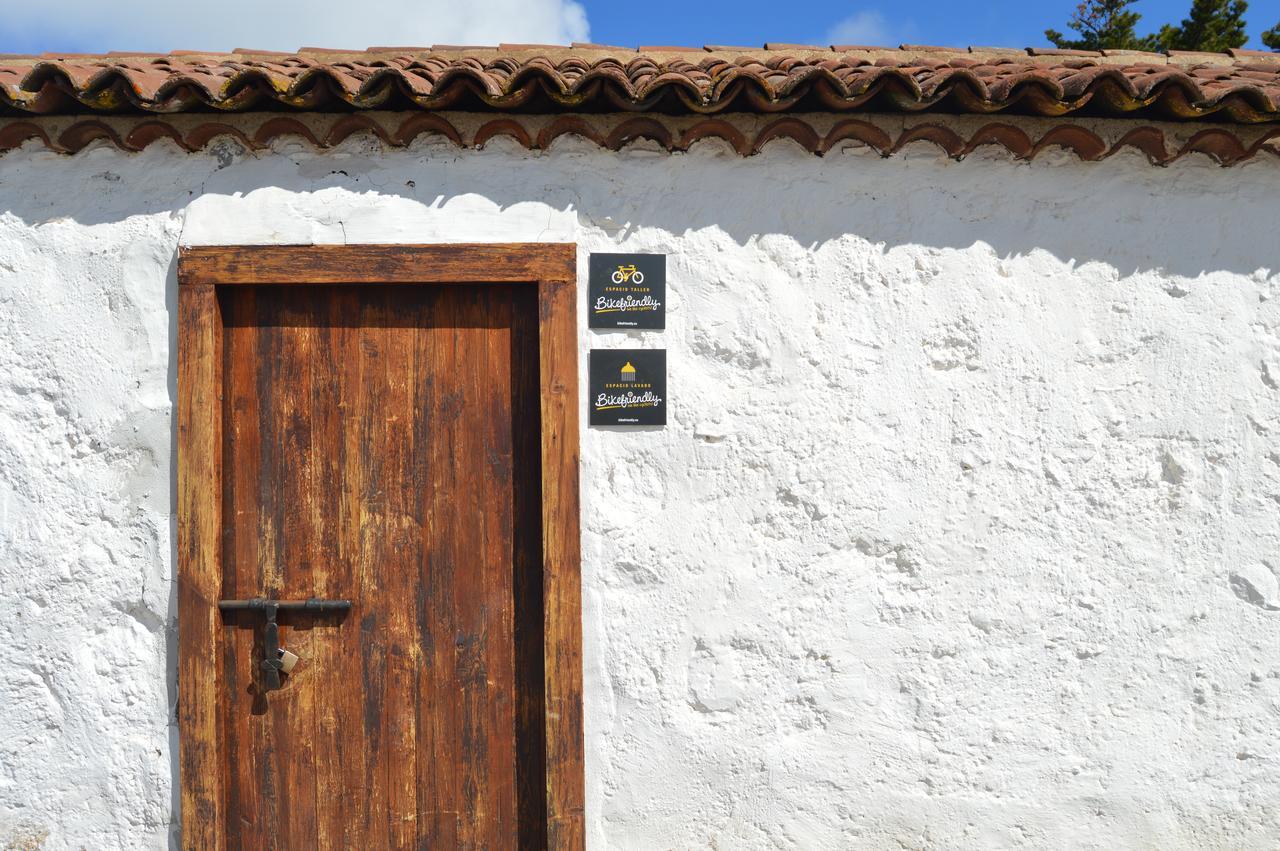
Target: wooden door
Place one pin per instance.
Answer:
(409, 447)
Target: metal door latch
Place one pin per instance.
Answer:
(277, 659)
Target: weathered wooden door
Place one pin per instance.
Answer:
(388, 427)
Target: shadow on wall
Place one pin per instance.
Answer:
(1186, 219)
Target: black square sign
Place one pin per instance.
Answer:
(627, 291)
(628, 387)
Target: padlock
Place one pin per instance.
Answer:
(287, 660)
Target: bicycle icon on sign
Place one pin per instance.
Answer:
(627, 274)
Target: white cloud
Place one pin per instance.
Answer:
(161, 25)
(866, 28)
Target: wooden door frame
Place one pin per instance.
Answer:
(552, 268)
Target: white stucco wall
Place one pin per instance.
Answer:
(967, 513)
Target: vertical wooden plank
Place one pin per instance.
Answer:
(270, 751)
(331, 652)
(440, 792)
(296, 521)
(369, 467)
(242, 701)
(465, 544)
(353, 763)
(481, 772)
(418, 575)
(401, 315)
(493, 689)
(562, 592)
(199, 564)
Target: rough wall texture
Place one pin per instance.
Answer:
(964, 532)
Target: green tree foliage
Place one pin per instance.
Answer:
(1102, 25)
(1215, 25)
(1212, 25)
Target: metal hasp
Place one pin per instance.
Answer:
(271, 665)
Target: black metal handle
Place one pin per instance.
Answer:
(271, 665)
(260, 604)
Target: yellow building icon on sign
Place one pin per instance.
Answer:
(628, 372)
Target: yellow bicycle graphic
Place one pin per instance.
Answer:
(623, 274)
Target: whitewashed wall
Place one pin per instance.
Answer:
(965, 531)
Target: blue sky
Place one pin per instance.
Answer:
(160, 25)
(1007, 23)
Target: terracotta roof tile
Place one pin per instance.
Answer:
(1059, 51)
(779, 45)
(1240, 53)
(1242, 87)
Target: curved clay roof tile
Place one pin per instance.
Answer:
(1244, 87)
